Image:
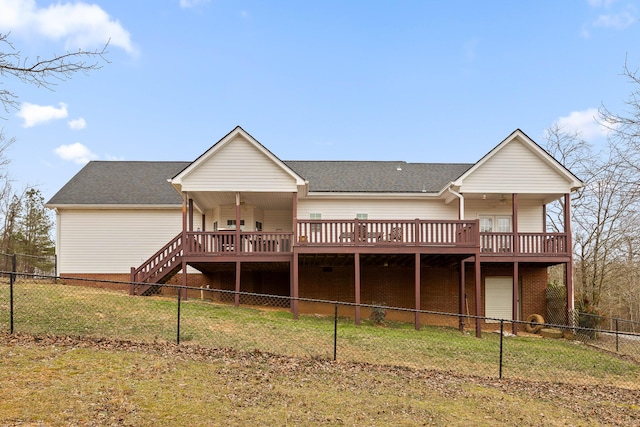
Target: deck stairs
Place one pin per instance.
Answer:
(158, 269)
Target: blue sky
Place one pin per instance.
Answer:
(421, 81)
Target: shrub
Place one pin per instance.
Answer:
(378, 313)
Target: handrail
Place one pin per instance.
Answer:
(163, 260)
(528, 243)
(224, 242)
(395, 232)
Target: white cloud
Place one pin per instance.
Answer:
(80, 25)
(33, 114)
(612, 19)
(618, 21)
(77, 124)
(185, 4)
(585, 123)
(76, 153)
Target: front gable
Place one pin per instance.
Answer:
(237, 163)
(518, 165)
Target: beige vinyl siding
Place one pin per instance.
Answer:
(378, 209)
(529, 213)
(112, 241)
(239, 166)
(515, 169)
(278, 220)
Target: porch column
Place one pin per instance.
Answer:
(185, 246)
(236, 246)
(294, 285)
(516, 297)
(184, 218)
(417, 292)
(295, 217)
(478, 296)
(569, 249)
(190, 214)
(237, 297)
(462, 294)
(514, 215)
(357, 291)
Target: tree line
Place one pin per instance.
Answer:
(606, 211)
(25, 224)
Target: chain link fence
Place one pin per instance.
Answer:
(249, 322)
(30, 265)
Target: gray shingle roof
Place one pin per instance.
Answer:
(121, 183)
(145, 183)
(379, 176)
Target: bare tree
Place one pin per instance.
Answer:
(625, 127)
(605, 215)
(42, 72)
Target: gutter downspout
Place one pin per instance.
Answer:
(461, 200)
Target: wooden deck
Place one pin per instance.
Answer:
(445, 236)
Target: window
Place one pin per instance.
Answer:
(499, 226)
(231, 223)
(495, 224)
(315, 227)
(362, 216)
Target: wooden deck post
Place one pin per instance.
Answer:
(516, 298)
(356, 262)
(569, 249)
(462, 294)
(478, 296)
(294, 285)
(417, 291)
(237, 296)
(132, 289)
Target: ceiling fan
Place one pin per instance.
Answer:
(502, 201)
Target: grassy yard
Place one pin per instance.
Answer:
(101, 382)
(79, 311)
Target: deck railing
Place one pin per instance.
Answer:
(353, 233)
(159, 263)
(456, 234)
(224, 242)
(528, 243)
(375, 233)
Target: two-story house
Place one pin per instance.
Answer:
(458, 238)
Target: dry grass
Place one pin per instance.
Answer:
(64, 381)
(81, 311)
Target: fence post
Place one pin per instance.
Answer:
(12, 279)
(501, 338)
(178, 323)
(335, 332)
(617, 336)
